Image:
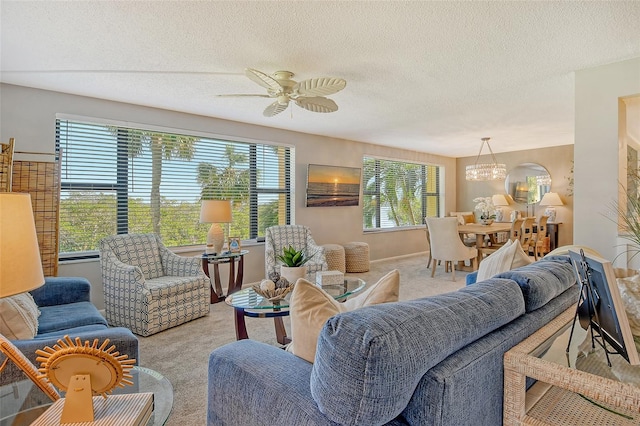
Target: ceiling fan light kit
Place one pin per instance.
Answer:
(486, 171)
(308, 94)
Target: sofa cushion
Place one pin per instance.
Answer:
(311, 307)
(368, 362)
(62, 317)
(543, 280)
(18, 317)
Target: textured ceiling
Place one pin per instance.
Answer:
(427, 76)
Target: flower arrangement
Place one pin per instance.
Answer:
(485, 207)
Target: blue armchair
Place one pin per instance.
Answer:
(65, 309)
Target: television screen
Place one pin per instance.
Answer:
(329, 186)
(609, 317)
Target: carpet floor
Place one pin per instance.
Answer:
(181, 354)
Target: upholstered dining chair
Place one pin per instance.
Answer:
(446, 245)
(298, 236)
(147, 287)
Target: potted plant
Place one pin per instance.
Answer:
(486, 208)
(293, 264)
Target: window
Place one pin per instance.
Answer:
(398, 194)
(117, 180)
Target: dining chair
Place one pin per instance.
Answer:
(541, 246)
(447, 246)
(528, 236)
(514, 234)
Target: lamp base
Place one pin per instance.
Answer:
(215, 239)
(551, 212)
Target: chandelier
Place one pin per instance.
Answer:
(486, 171)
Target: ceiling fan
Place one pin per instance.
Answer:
(308, 94)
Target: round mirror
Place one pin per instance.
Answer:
(527, 183)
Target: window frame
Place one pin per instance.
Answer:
(121, 187)
(376, 192)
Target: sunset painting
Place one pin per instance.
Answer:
(329, 186)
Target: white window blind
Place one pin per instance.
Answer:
(117, 179)
(398, 194)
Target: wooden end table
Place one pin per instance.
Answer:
(235, 276)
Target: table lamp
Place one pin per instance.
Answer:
(20, 265)
(215, 212)
(499, 200)
(20, 270)
(550, 200)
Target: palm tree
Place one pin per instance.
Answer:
(228, 183)
(163, 146)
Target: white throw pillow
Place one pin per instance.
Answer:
(19, 317)
(508, 257)
(311, 307)
(498, 261)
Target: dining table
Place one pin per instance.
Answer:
(482, 231)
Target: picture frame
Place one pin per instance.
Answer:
(609, 318)
(235, 244)
(333, 186)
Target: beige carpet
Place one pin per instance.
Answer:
(182, 353)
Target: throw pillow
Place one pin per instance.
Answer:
(520, 257)
(19, 317)
(311, 307)
(499, 261)
(509, 256)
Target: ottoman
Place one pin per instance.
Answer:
(356, 255)
(335, 257)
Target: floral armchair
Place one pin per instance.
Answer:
(148, 288)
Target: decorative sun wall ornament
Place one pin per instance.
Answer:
(83, 370)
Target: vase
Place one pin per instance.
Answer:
(293, 273)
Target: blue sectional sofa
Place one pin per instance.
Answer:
(429, 361)
(65, 309)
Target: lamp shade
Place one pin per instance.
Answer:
(551, 199)
(215, 211)
(499, 200)
(20, 265)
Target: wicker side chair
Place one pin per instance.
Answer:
(298, 236)
(148, 288)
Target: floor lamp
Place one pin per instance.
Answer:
(20, 271)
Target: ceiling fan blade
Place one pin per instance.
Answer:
(238, 95)
(263, 80)
(320, 86)
(274, 109)
(317, 104)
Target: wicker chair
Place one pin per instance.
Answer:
(148, 288)
(298, 236)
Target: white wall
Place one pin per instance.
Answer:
(596, 153)
(28, 115)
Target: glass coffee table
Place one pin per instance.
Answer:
(23, 402)
(247, 302)
(572, 388)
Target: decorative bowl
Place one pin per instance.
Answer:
(486, 221)
(275, 294)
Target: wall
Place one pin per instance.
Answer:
(597, 154)
(557, 161)
(29, 115)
